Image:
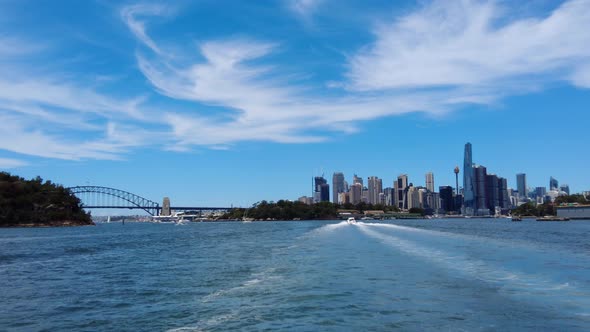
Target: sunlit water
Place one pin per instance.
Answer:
(472, 275)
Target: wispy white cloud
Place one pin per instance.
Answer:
(467, 43)
(19, 137)
(260, 103)
(436, 59)
(7, 163)
(132, 17)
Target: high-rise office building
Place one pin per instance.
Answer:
(356, 179)
(356, 191)
(430, 181)
(389, 196)
(469, 204)
(365, 195)
(565, 188)
(322, 189)
(401, 187)
(540, 192)
(503, 195)
(479, 184)
(412, 199)
(375, 188)
(381, 199)
(432, 201)
(553, 184)
(521, 185)
(337, 185)
(492, 192)
(447, 198)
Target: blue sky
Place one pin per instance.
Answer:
(231, 102)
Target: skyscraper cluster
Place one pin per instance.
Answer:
(482, 194)
(403, 194)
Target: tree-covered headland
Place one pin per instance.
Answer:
(38, 203)
(288, 210)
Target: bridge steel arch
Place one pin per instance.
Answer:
(126, 200)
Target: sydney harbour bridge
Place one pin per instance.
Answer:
(96, 197)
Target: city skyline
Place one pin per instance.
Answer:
(483, 193)
(229, 105)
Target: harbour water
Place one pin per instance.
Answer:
(471, 275)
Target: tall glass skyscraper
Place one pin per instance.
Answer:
(430, 182)
(521, 185)
(337, 185)
(468, 177)
(321, 190)
(553, 184)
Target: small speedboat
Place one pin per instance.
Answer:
(351, 220)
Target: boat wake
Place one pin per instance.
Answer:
(507, 281)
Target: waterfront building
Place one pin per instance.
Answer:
(521, 186)
(553, 183)
(430, 181)
(375, 188)
(337, 185)
(401, 187)
(469, 204)
(574, 212)
(565, 188)
(356, 191)
(447, 198)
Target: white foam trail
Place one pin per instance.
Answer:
(257, 278)
(472, 238)
(477, 269)
(323, 230)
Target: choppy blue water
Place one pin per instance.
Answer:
(472, 275)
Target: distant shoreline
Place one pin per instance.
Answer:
(56, 224)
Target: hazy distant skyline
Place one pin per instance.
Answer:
(233, 102)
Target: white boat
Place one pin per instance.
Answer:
(351, 220)
(173, 219)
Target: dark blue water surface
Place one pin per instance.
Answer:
(471, 275)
